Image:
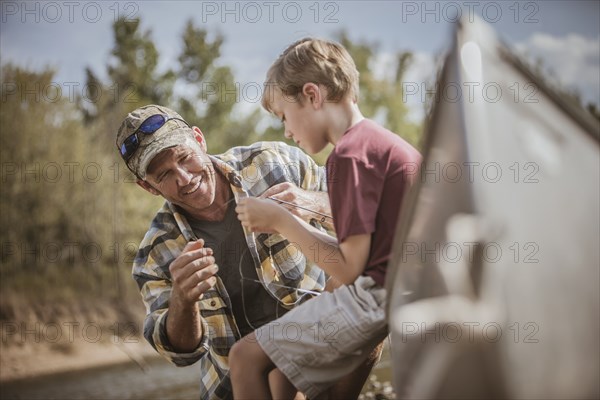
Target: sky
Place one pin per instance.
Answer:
(72, 35)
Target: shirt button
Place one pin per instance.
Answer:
(213, 303)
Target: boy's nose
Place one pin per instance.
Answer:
(287, 134)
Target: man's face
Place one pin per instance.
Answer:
(185, 176)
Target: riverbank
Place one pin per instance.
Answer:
(44, 336)
(158, 380)
(38, 359)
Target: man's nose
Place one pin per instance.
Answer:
(183, 176)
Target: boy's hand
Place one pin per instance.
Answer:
(259, 215)
(286, 191)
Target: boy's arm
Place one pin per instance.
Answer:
(307, 186)
(344, 262)
(307, 200)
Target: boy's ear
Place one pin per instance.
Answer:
(147, 187)
(313, 93)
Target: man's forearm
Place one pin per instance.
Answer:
(184, 327)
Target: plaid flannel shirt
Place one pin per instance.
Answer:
(250, 170)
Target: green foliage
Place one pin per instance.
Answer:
(198, 54)
(381, 97)
(135, 61)
(71, 224)
(214, 93)
(30, 129)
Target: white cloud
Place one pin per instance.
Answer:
(383, 65)
(421, 75)
(422, 68)
(574, 59)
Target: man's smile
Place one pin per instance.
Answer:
(194, 187)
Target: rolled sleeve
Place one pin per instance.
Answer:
(164, 347)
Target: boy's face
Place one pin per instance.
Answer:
(303, 121)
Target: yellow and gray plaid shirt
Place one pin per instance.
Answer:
(250, 170)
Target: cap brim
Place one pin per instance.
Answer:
(146, 153)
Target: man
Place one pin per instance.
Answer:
(206, 282)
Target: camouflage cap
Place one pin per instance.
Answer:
(173, 133)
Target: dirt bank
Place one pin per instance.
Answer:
(29, 359)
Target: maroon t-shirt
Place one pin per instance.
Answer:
(368, 172)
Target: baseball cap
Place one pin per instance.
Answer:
(174, 132)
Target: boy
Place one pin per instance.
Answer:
(315, 95)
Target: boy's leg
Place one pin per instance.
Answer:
(350, 386)
(327, 338)
(249, 368)
(282, 388)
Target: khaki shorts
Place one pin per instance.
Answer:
(326, 338)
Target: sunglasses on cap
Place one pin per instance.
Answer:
(148, 127)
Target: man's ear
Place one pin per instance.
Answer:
(313, 93)
(200, 138)
(147, 187)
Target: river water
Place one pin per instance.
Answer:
(157, 380)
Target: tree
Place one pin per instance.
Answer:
(132, 72)
(134, 63)
(211, 92)
(381, 97)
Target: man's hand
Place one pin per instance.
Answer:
(192, 273)
(316, 201)
(259, 215)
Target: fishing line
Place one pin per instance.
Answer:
(324, 216)
(243, 278)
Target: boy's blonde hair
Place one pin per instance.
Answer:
(322, 62)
